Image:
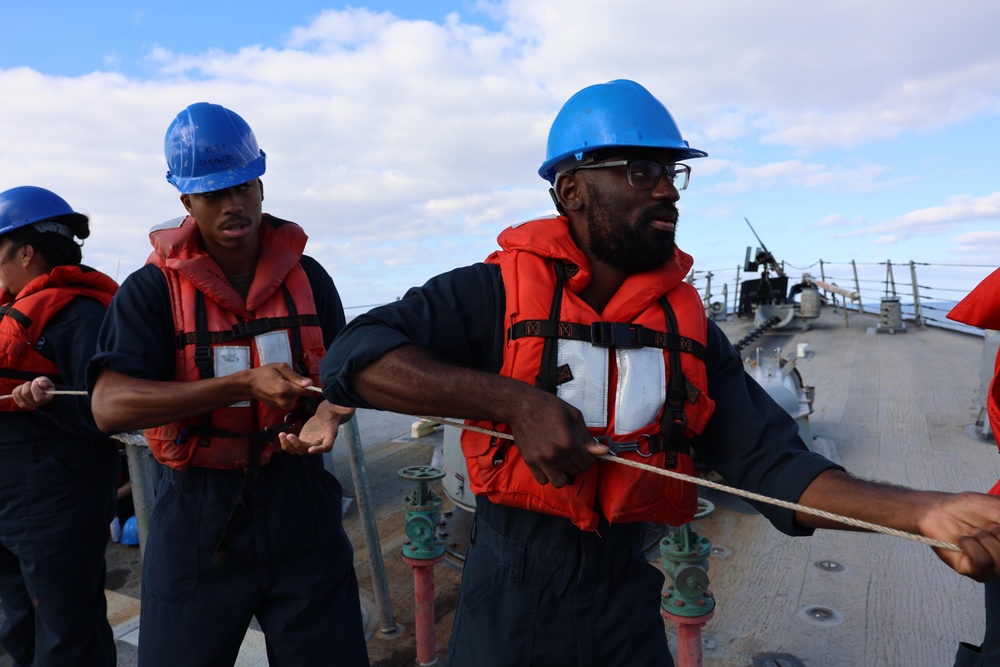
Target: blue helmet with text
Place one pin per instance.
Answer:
(208, 148)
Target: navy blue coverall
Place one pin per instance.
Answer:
(58, 481)
(289, 563)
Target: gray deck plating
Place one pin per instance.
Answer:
(893, 408)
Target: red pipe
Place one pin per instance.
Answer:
(423, 609)
(689, 647)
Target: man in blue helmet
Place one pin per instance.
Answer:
(579, 337)
(211, 348)
(58, 472)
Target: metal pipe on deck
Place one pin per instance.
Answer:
(918, 317)
(423, 610)
(830, 287)
(857, 287)
(363, 496)
(689, 644)
(144, 472)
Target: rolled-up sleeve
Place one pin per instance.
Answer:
(751, 441)
(136, 337)
(456, 316)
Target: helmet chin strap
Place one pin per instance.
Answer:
(555, 200)
(57, 227)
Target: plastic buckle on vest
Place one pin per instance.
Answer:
(632, 446)
(614, 334)
(202, 355)
(679, 418)
(267, 435)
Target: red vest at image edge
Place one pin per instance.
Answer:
(39, 301)
(622, 493)
(981, 308)
(189, 269)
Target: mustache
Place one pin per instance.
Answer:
(236, 217)
(662, 212)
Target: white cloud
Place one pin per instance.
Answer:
(837, 221)
(958, 209)
(978, 238)
(428, 135)
(333, 30)
(865, 178)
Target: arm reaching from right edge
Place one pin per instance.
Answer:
(968, 520)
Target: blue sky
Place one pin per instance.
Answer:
(73, 38)
(405, 135)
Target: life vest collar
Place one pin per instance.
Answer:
(551, 238)
(182, 251)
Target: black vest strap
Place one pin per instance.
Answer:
(674, 420)
(249, 329)
(308, 404)
(608, 334)
(203, 360)
(547, 379)
(15, 315)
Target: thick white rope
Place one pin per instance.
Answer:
(857, 523)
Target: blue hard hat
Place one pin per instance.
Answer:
(27, 204)
(130, 532)
(208, 148)
(618, 113)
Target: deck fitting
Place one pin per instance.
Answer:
(776, 660)
(828, 565)
(820, 615)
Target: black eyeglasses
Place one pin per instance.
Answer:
(645, 174)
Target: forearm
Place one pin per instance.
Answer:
(121, 402)
(883, 504)
(551, 435)
(409, 380)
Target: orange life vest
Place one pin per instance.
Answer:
(981, 308)
(219, 332)
(618, 367)
(24, 317)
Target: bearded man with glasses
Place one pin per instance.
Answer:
(579, 337)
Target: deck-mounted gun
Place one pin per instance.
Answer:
(769, 297)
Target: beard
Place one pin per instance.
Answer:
(634, 246)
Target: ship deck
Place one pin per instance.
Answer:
(894, 407)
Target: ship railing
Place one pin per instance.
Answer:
(926, 291)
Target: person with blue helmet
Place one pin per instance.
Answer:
(578, 337)
(57, 469)
(212, 348)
